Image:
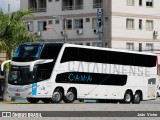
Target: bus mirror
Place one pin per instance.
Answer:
(39, 62)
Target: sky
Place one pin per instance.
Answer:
(14, 5)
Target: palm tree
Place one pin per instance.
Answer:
(13, 32)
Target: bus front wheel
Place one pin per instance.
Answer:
(70, 96)
(56, 96)
(33, 100)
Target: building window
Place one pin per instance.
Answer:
(72, 5)
(140, 24)
(94, 23)
(149, 3)
(149, 47)
(130, 46)
(140, 2)
(56, 21)
(50, 22)
(130, 23)
(49, 0)
(42, 25)
(130, 2)
(78, 23)
(97, 3)
(29, 26)
(38, 5)
(149, 24)
(87, 19)
(140, 47)
(69, 24)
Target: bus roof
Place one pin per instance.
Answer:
(109, 49)
(89, 47)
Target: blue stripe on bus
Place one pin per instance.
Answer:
(34, 89)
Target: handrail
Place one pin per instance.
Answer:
(5, 62)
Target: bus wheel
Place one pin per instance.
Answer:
(46, 100)
(33, 100)
(70, 97)
(137, 98)
(56, 96)
(127, 97)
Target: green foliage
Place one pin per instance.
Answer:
(13, 31)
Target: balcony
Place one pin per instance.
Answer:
(37, 5)
(72, 5)
(97, 3)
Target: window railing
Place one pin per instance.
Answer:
(73, 7)
(67, 8)
(97, 5)
(39, 9)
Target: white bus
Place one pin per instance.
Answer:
(52, 72)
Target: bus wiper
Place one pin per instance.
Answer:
(39, 62)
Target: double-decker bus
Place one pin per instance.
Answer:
(52, 72)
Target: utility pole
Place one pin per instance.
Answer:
(9, 10)
(100, 26)
(65, 29)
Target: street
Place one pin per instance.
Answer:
(144, 106)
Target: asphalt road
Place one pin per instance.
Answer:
(144, 106)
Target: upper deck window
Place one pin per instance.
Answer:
(26, 53)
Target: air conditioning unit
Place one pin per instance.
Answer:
(155, 33)
(38, 33)
(62, 32)
(95, 31)
(79, 31)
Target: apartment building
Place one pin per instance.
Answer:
(81, 19)
(127, 24)
(132, 24)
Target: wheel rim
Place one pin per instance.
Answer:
(56, 96)
(70, 96)
(128, 97)
(137, 98)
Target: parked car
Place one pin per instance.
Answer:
(158, 91)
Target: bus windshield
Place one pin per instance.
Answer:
(21, 75)
(27, 53)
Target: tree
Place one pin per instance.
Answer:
(13, 32)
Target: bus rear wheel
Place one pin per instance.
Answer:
(33, 100)
(127, 97)
(56, 96)
(70, 97)
(137, 98)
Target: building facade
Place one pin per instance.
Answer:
(81, 19)
(127, 24)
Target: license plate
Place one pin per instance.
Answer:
(17, 94)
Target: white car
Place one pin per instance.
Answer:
(158, 91)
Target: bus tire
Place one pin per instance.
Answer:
(70, 97)
(157, 95)
(137, 98)
(33, 100)
(127, 97)
(56, 96)
(46, 100)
